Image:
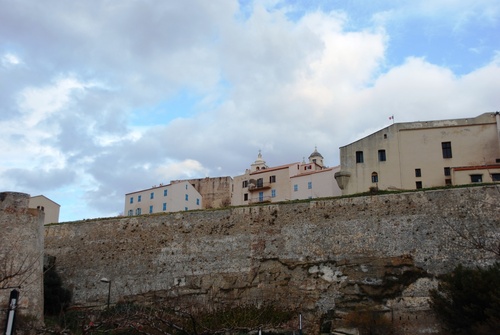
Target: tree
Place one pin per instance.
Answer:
(467, 301)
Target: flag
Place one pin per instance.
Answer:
(391, 117)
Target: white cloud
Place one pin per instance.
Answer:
(10, 59)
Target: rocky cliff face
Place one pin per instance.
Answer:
(324, 258)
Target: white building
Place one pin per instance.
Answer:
(175, 197)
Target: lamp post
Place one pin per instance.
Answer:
(106, 280)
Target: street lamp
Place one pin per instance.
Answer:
(106, 280)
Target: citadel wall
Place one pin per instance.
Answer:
(21, 255)
(323, 257)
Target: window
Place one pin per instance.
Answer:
(197, 201)
(165, 193)
(138, 211)
(260, 182)
(152, 195)
(272, 179)
(309, 185)
(261, 196)
(295, 188)
(130, 212)
(446, 146)
(374, 177)
(245, 197)
(495, 177)
(273, 193)
(418, 184)
(418, 173)
(476, 178)
(359, 156)
(164, 206)
(381, 156)
(447, 182)
(447, 171)
(245, 183)
(187, 197)
(150, 209)
(131, 200)
(139, 198)
(185, 208)
(186, 186)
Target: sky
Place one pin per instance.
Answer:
(102, 98)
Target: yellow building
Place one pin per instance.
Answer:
(262, 183)
(426, 154)
(175, 197)
(48, 207)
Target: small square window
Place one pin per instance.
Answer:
(187, 197)
(447, 171)
(245, 184)
(295, 188)
(273, 193)
(260, 182)
(272, 179)
(139, 198)
(381, 156)
(476, 178)
(374, 177)
(446, 147)
(309, 185)
(165, 193)
(418, 184)
(150, 209)
(447, 182)
(197, 201)
(164, 206)
(152, 195)
(495, 177)
(418, 173)
(359, 156)
(245, 197)
(131, 200)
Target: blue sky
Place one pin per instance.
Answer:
(101, 98)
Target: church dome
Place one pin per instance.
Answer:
(315, 154)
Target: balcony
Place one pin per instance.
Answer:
(258, 187)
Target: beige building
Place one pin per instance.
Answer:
(174, 197)
(426, 154)
(48, 207)
(262, 183)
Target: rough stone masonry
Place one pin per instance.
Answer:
(322, 257)
(21, 256)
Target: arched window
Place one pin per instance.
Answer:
(374, 177)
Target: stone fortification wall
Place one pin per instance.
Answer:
(321, 257)
(21, 255)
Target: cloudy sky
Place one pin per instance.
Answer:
(102, 98)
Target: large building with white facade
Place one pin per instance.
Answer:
(262, 183)
(174, 197)
(414, 155)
